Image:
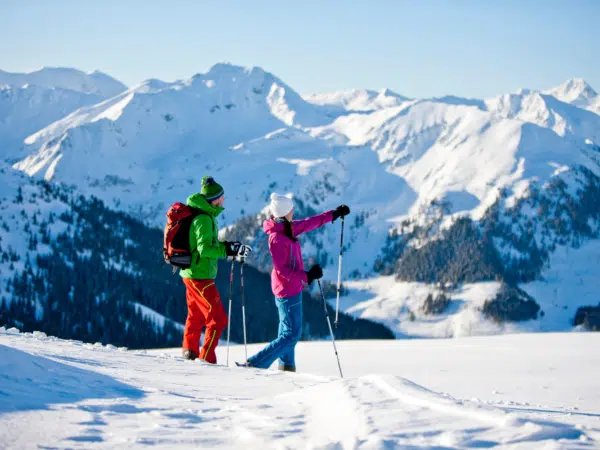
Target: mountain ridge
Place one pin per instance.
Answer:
(256, 135)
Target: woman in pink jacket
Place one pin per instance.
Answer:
(288, 278)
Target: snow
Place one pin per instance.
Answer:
(110, 109)
(570, 280)
(398, 305)
(513, 392)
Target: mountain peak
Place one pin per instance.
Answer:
(153, 85)
(577, 84)
(95, 82)
(523, 91)
(574, 90)
(387, 92)
(231, 74)
(56, 69)
(225, 69)
(98, 74)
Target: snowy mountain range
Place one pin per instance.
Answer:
(95, 82)
(32, 101)
(519, 156)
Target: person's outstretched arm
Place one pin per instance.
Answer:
(302, 226)
(310, 223)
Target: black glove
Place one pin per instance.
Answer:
(314, 273)
(232, 247)
(340, 211)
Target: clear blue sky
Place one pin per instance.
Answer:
(475, 48)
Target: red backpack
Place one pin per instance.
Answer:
(176, 246)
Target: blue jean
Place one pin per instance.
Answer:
(290, 331)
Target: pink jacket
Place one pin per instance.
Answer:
(288, 276)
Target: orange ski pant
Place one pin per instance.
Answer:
(204, 309)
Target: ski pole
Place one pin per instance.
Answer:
(244, 308)
(330, 329)
(339, 281)
(229, 314)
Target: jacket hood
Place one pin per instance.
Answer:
(200, 202)
(271, 226)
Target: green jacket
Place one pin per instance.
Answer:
(204, 243)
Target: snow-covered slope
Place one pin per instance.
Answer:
(31, 101)
(96, 82)
(46, 264)
(510, 392)
(399, 306)
(19, 198)
(569, 282)
(358, 99)
(29, 108)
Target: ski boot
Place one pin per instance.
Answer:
(189, 354)
(286, 367)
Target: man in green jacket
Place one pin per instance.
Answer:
(203, 300)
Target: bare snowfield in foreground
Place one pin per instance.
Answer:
(519, 391)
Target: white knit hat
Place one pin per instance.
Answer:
(281, 205)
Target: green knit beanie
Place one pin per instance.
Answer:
(211, 189)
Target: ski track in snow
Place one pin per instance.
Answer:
(67, 394)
